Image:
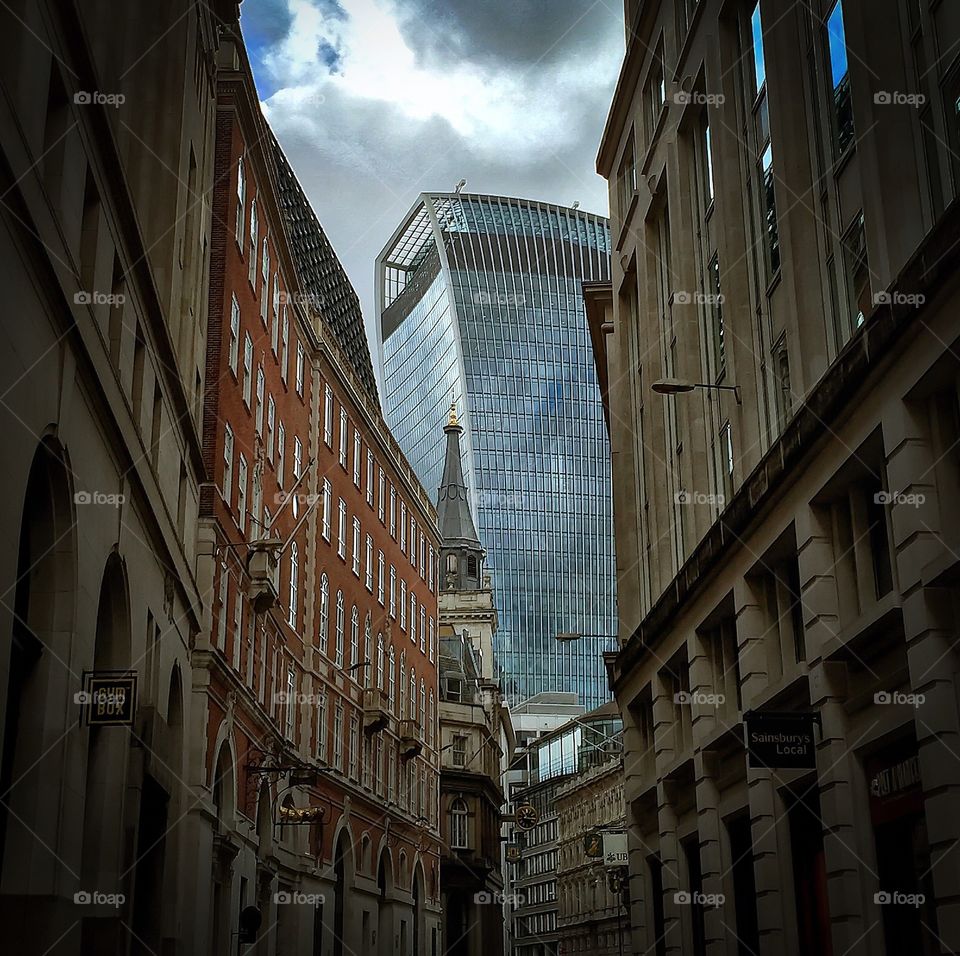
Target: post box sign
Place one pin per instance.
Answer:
(109, 700)
(782, 741)
(615, 849)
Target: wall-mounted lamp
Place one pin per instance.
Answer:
(676, 386)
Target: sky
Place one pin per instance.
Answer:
(376, 101)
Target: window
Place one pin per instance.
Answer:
(627, 178)
(715, 310)
(403, 605)
(380, 577)
(430, 569)
(234, 333)
(859, 303)
(297, 465)
(222, 620)
(322, 729)
(271, 426)
(291, 700)
(242, 492)
(356, 458)
(413, 695)
(403, 527)
(759, 64)
(843, 130)
(432, 641)
(328, 415)
(655, 92)
(433, 719)
(241, 202)
(708, 160)
(299, 373)
(275, 316)
(413, 617)
(342, 530)
(459, 820)
(265, 285)
(324, 613)
(281, 452)
(370, 477)
(338, 737)
(459, 750)
(354, 757)
(423, 627)
(379, 662)
(338, 650)
(343, 438)
(393, 512)
(259, 411)
(284, 346)
(369, 574)
(726, 449)
(423, 553)
(367, 659)
(393, 679)
(227, 490)
(393, 592)
(354, 639)
(247, 368)
(294, 583)
(327, 507)
(252, 254)
(356, 546)
(403, 683)
(380, 495)
(413, 540)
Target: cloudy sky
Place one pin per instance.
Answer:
(375, 101)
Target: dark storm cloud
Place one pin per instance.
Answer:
(515, 34)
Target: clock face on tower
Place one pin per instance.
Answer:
(527, 816)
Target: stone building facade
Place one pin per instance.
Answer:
(778, 354)
(591, 916)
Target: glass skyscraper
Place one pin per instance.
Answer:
(479, 301)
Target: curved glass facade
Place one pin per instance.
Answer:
(480, 299)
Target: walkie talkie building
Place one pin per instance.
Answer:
(479, 300)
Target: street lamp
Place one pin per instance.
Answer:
(676, 386)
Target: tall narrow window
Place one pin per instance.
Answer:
(324, 613)
(259, 409)
(380, 662)
(242, 492)
(327, 507)
(843, 130)
(380, 495)
(247, 368)
(343, 438)
(393, 678)
(241, 202)
(369, 574)
(284, 346)
(338, 649)
(356, 546)
(370, 477)
(354, 639)
(252, 250)
(271, 427)
(327, 415)
(380, 577)
(281, 452)
(294, 584)
(356, 458)
(227, 489)
(342, 529)
(234, 333)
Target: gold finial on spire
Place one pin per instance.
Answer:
(453, 412)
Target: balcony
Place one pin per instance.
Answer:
(411, 739)
(376, 710)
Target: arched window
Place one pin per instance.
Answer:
(338, 651)
(403, 684)
(413, 695)
(459, 825)
(324, 612)
(294, 584)
(379, 662)
(367, 657)
(354, 638)
(423, 703)
(393, 679)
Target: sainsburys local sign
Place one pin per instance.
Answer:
(781, 740)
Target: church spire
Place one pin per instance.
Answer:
(461, 552)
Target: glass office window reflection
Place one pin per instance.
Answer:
(479, 299)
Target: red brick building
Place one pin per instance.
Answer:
(317, 665)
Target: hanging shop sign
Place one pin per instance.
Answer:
(781, 741)
(615, 848)
(109, 698)
(593, 845)
(513, 853)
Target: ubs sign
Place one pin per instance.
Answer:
(781, 741)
